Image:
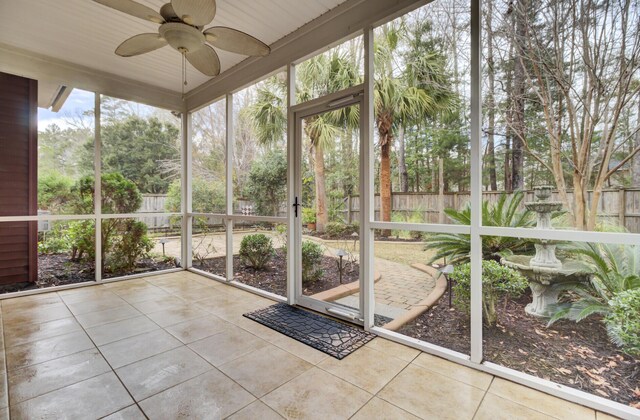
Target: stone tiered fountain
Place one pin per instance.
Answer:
(544, 269)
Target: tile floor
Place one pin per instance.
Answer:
(176, 346)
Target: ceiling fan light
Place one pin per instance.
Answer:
(182, 37)
(155, 19)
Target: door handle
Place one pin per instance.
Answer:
(295, 206)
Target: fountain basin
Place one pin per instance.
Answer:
(543, 278)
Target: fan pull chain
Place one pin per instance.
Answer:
(184, 71)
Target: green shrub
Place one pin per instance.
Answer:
(131, 246)
(339, 229)
(311, 259)
(623, 321)
(207, 196)
(82, 236)
(266, 183)
(308, 215)
(56, 240)
(497, 281)
(256, 250)
(54, 192)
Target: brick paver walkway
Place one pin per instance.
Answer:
(400, 288)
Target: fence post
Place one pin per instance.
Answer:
(622, 206)
(349, 209)
(440, 191)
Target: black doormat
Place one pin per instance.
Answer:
(330, 336)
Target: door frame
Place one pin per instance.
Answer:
(344, 98)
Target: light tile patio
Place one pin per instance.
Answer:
(205, 360)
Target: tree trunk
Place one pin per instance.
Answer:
(635, 165)
(441, 191)
(402, 166)
(507, 162)
(385, 185)
(509, 124)
(519, 76)
(322, 217)
(491, 111)
(579, 201)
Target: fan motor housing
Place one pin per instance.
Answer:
(182, 37)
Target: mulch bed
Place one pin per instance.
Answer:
(351, 237)
(143, 265)
(575, 354)
(274, 277)
(60, 270)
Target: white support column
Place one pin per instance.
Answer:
(229, 185)
(291, 184)
(97, 186)
(367, 298)
(186, 177)
(476, 182)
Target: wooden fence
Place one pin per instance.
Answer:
(154, 203)
(618, 206)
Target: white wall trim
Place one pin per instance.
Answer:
(41, 67)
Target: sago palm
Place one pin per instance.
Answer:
(505, 213)
(613, 269)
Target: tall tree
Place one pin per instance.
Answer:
(490, 156)
(519, 11)
(136, 148)
(419, 91)
(319, 76)
(579, 61)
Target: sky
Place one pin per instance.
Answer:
(77, 102)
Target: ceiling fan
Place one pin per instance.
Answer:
(181, 26)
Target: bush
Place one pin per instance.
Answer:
(339, 229)
(623, 321)
(311, 258)
(207, 196)
(56, 241)
(497, 281)
(132, 245)
(308, 215)
(267, 185)
(54, 192)
(82, 237)
(256, 250)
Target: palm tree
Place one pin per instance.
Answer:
(268, 114)
(418, 92)
(316, 77)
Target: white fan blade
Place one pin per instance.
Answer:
(168, 13)
(140, 44)
(195, 12)
(235, 41)
(205, 60)
(132, 8)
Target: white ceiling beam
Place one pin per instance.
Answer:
(47, 69)
(348, 18)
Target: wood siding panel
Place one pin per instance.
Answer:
(18, 178)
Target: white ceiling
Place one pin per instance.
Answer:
(86, 33)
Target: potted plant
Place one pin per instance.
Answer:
(309, 217)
